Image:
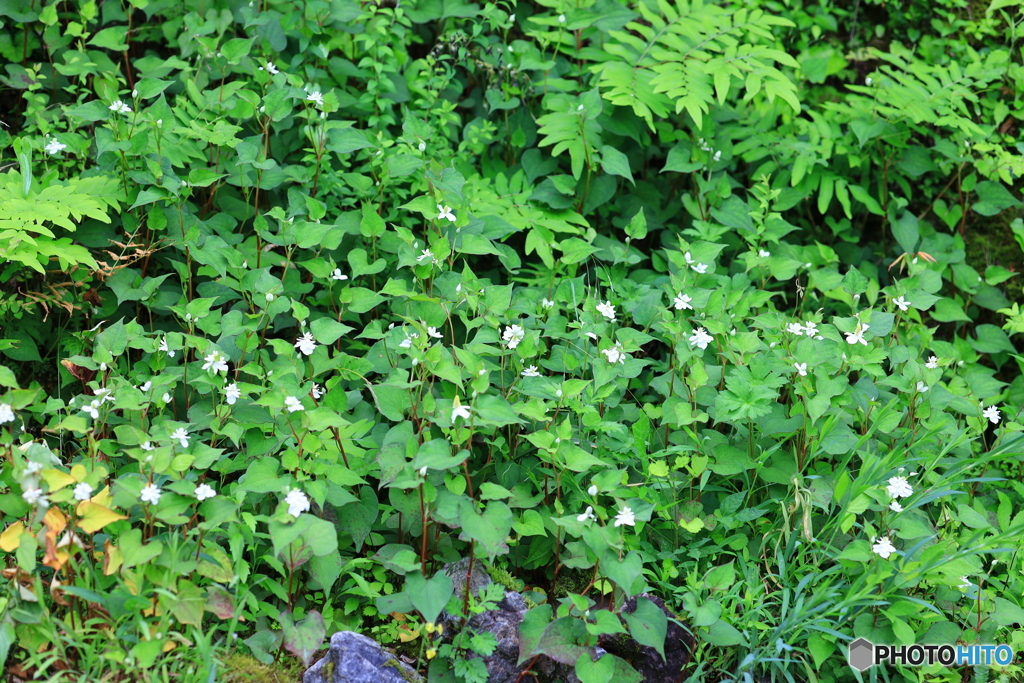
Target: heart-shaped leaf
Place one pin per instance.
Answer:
(429, 597)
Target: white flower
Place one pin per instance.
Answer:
(306, 344)
(592, 490)
(763, 254)
(586, 516)
(884, 548)
(427, 254)
(83, 491)
(317, 391)
(166, 398)
(546, 303)
(407, 342)
(718, 156)
(6, 413)
(607, 310)
(868, 81)
(901, 303)
(181, 436)
(293, 404)
(561, 18)
(119, 107)
(857, 336)
(590, 335)
(34, 497)
(148, 446)
(682, 301)
(297, 502)
(32, 467)
(92, 409)
(615, 354)
(530, 372)
(216, 361)
(922, 387)
(701, 338)
(932, 363)
(232, 393)
(460, 411)
(964, 583)
(54, 146)
(689, 259)
(163, 347)
(316, 97)
(558, 393)
(899, 487)
(801, 368)
(795, 328)
(810, 329)
(432, 332)
(423, 471)
(700, 267)
(423, 146)
(625, 517)
(150, 494)
(992, 413)
(513, 335)
(204, 491)
(270, 296)
(272, 69)
(146, 387)
(338, 275)
(445, 212)
(895, 506)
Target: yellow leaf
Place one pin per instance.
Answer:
(57, 479)
(94, 516)
(103, 497)
(406, 634)
(112, 558)
(79, 472)
(693, 526)
(10, 539)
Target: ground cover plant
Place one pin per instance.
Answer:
(713, 302)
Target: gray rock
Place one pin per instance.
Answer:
(503, 621)
(354, 658)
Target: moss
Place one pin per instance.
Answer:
(242, 668)
(402, 671)
(989, 241)
(502, 577)
(571, 582)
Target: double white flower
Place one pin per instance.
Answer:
(883, 547)
(607, 310)
(513, 335)
(297, 502)
(700, 338)
(615, 354)
(216, 361)
(306, 344)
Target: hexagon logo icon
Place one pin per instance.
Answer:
(862, 654)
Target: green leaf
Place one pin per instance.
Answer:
(648, 625)
(721, 634)
(489, 529)
(589, 671)
(304, 638)
(626, 573)
(429, 597)
(906, 233)
(327, 331)
(615, 162)
(993, 198)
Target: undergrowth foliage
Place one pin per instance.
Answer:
(303, 302)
